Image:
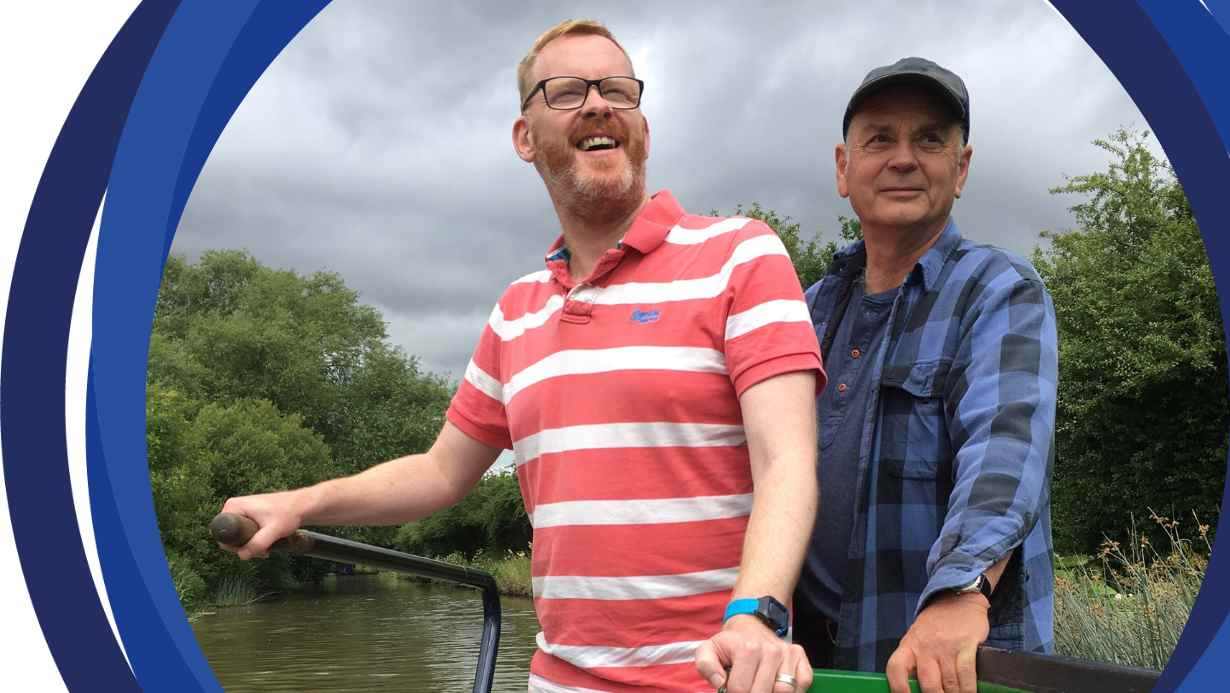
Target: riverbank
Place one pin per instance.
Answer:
(512, 572)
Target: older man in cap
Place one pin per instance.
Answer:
(937, 427)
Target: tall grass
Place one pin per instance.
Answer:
(511, 572)
(235, 590)
(1130, 603)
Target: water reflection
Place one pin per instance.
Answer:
(365, 633)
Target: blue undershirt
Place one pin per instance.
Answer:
(841, 412)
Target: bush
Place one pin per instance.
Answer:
(490, 518)
(262, 380)
(1142, 358)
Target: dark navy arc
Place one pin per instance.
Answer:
(45, 529)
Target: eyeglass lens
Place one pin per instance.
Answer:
(571, 92)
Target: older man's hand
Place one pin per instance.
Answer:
(755, 657)
(941, 646)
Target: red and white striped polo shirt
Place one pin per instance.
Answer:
(619, 397)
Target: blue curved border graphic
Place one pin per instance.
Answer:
(1160, 53)
(207, 61)
(53, 244)
(194, 62)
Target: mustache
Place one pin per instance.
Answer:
(611, 128)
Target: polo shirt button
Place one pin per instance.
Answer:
(855, 353)
(841, 387)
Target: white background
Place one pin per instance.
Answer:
(47, 51)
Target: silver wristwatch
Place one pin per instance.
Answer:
(980, 584)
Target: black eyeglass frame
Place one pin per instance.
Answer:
(589, 83)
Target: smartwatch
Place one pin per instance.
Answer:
(980, 584)
(767, 609)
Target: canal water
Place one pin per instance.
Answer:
(365, 633)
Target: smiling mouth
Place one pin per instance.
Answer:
(597, 143)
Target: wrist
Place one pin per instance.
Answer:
(980, 586)
(745, 621)
(771, 613)
(966, 599)
(306, 504)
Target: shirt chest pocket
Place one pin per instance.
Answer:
(914, 441)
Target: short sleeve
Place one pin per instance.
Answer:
(478, 406)
(768, 326)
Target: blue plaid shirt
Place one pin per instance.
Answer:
(955, 459)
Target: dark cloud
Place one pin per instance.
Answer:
(378, 144)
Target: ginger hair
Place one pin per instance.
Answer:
(568, 27)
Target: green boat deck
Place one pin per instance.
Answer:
(833, 681)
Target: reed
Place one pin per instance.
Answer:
(235, 590)
(1129, 604)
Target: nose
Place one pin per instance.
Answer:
(903, 157)
(595, 105)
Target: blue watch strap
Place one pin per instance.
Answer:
(740, 606)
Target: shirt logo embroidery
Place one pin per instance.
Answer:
(645, 316)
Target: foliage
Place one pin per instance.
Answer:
(1143, 409)
(491, 519)
(1132, 605)
(810, 258)
(260, 380)
(513, 573)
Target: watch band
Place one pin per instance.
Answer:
(980, 584)
(770, 611)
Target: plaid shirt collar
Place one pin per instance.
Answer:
(849, 261)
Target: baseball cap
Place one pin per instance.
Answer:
(918, 71)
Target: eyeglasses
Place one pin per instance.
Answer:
(570, 93)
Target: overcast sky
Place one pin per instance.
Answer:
(377, 145)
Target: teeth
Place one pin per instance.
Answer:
(590, 142)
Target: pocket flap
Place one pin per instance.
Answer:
(924, 380)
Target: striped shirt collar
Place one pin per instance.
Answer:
(648, 230)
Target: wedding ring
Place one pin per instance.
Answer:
(786, 679)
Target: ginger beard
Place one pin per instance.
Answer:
(600, 188)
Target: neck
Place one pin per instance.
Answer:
(590, 230)
(893, 252)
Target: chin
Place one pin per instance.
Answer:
(613, 181)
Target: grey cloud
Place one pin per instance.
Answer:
(378, 144)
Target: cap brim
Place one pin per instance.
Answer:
(916, 78)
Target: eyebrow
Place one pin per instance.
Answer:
(878, 127)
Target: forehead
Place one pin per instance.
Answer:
(903, 104)
(585, 55)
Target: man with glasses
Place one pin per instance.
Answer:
(656, 383)
(937, 435)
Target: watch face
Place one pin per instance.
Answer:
(774, 615)
(971, 587)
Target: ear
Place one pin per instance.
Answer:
(522, 141)
(963, 168)
(840, 155)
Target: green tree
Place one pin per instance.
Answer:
(1143, 411)
(260, 380)
(810, 257)
(200, 454)
(491, 519)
